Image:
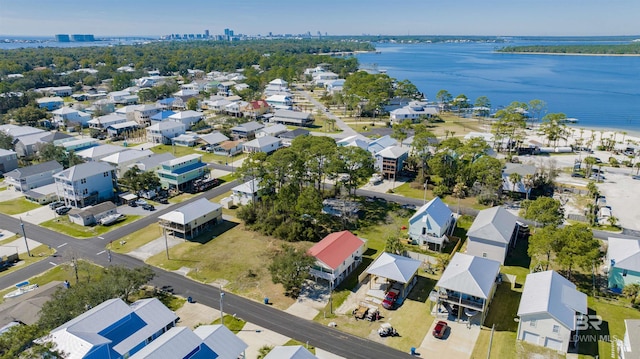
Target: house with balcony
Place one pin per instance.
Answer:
(550, 310)
(280, 102)
(163, 132)
(185, 95)
(623, 262)
(235, 108)
(171, 103)
(102, 122)
(191, 219)
(113, 329)
(180, 173)
(8, 160)
(30, 177)
(276, 87)
(414, 111)
(337, 255)
(86, 184)
(121, 160)
(66, 115)
(390, 161)
(380, 144)
(294, 118)
(29, 145)
(255, 109)
(142, 113)
(122, 97)
(431, 224)
(246, 130)
(266, 144)
(212, 140)
(50, 103)
(492, 234)
(122, 129)
(469, 283)
(187, 118)
(160, 116)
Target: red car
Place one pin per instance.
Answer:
(390, 299)
(440, 329)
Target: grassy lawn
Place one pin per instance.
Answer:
(245, 273)
(182, 197)
(63, 225)
(502, 310)
(17, 205)
(293, 342)
(229, 177)
(232, 323)
(10, 239)
(136, 239)
(414, 190)
(37, 254)
(320, 124)
(226, 211)
(180, 151)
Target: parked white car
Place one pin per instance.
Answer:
(376, 179)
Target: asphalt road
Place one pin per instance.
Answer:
(92, 249)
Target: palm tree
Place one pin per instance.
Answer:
(631, 291)
(528, 183)
(459, 192)
(613, 221)
(514, 178)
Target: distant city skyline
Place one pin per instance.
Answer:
(335, 17)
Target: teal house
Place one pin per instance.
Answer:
(623, 261)
(180, 173)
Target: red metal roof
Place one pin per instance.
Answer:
(335, 248)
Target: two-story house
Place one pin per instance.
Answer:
(283, 101)
(469, 283)
(337, 255)
(623, 261)
(246, 130)
(187, 118)
(181, 172)
(121, 160)
(431, 224)
(8, 160)
(550, 309)
(191, 219)
(30, 177)
(102, 122)
(67, 115)
(266, 144)
(492, 234)
(50, 103)
(163, 132)
(142, 113)
(294, 118)
(86, 184)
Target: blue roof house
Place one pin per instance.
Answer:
(431, 223)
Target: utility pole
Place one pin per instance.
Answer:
(166, 241)
(221, 310)
(25, 237)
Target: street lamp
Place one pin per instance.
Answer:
(221, 311)
(26, 244)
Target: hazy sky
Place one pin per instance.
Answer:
(336, 17)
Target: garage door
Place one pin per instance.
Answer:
(553, 344)
(530, 338)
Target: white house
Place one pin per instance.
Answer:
(86, 184)
(97, 153)
(523, 171)
(187, 118)
(189, 220)
(549, 311)
(30, 177)
(380, 144)
(247, 192)
(65, 115)
(492, 234)
(105, 121)
(274, 131)
(266, 144)
(390, 161)
(283, 101)
(91, 215)
(399, 271)
(163, 132)
(431, 223)
(121, 160)
(295, 118)
(8, 160)
(468, 282)
(246, 130)
(337, 255)
(415, 110)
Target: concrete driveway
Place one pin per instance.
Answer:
(457, 344)
(38, 215)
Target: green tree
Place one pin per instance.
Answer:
(400, 131)
(541, 244)
(405, 88)
(631, 291)
(6, 141)
(483, 106)
(29, 115)
(576, 247)
(18, 342)
(263, 351)
(537, 107)
(121, 80)
(393, 244)
(544, 210)
(554, 128)
(290, 267)
(459, 192)
(192, 104)
(515, 178)
(357, 163)
(510, 125)
(444, 98)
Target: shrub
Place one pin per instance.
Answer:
(441, 190)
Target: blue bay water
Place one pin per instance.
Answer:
(600, 91)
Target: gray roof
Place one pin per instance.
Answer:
(126, 156)
(470, 275)
(24, 172)
(494, 224)
(94, 210)
(248, 127)
(84, 170)
(624, 253)
(152, 161)
(549, 292)
(126, 124)
(394, 267)
(221, 340)
(262, 141)
(393, 152)
(42, 137)
(25, 308)
(290, 352)
(274, 129)
(177, 342)
(101, 150)
(19, 131)
(164, 125)
(294, 133)
(292, 114)
(191, 211)
(436, 209)
(214, 138)
(519, 168)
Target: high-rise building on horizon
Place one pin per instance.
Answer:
(206, 33)
(62, 38)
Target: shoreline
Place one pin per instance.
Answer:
(565, 54)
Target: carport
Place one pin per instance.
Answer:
(395, 269)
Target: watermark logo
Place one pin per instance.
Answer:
(589, 321)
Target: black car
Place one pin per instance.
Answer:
(56, 204)
(133, 204)
(577, 174)
(62, 210)
(149, 207)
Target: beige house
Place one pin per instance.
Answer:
(191, 219)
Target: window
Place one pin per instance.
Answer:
(532, 323)
(85, 191)
(624, 273)
(556, 328)
(424, 231)
(83, 181)
(106, 174)
(484, 254)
